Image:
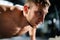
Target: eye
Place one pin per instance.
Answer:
(38, 13)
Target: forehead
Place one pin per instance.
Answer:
(39, 6)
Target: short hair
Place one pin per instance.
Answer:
(43, 2)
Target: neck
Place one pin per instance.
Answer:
(24, 21)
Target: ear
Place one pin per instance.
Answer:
(25, 10)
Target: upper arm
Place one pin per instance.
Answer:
(24, 30)
(32, 31)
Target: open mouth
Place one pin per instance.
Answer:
(38, 22)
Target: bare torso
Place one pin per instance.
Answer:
(10, 23)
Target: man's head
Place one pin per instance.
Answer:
(35, 11)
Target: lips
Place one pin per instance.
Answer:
(39, 20)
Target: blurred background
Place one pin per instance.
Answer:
(51, 26)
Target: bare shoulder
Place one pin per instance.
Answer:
(6, 7)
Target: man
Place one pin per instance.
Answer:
(15, 22)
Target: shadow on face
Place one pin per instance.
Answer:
(36, 14)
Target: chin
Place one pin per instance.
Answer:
(37, 25)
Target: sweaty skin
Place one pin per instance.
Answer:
(12, 22)
(15, 22)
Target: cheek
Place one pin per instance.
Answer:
(40, 17)
(30, 15)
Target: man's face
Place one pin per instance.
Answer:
(36, 14)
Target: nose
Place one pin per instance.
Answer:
(46, 11)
